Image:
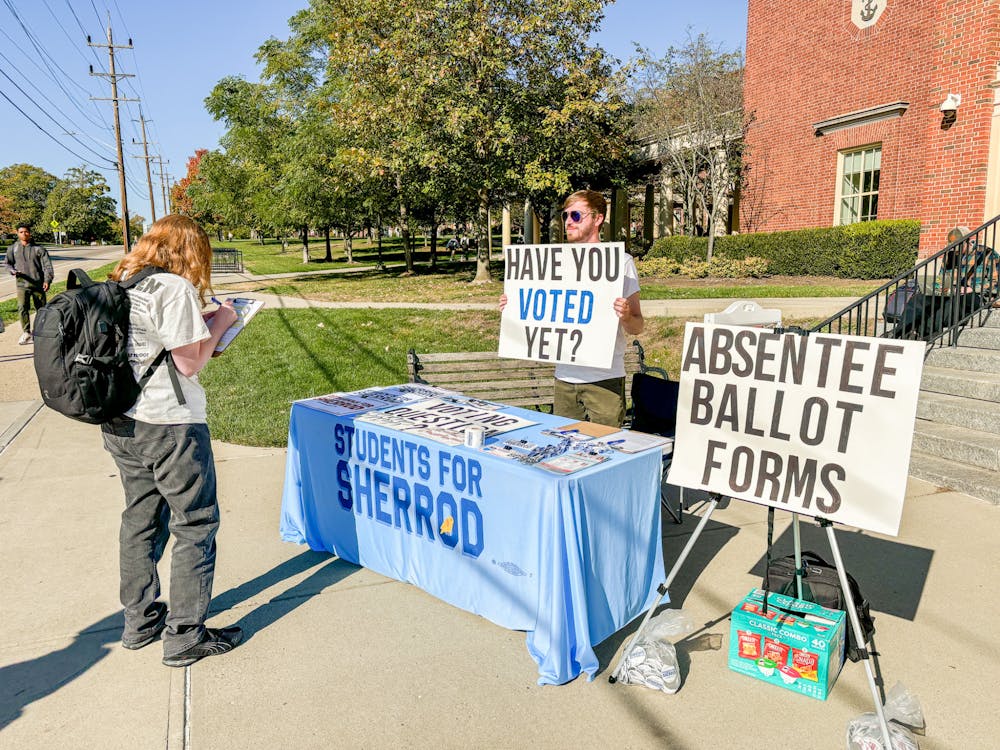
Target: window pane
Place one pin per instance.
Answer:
(859, 184)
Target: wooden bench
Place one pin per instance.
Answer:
(517, 382)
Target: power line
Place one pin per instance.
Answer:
(83, 31)
(61, 144)
(42, 95)
(26, 96)
(45, 57)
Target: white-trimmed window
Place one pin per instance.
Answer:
(857, 184)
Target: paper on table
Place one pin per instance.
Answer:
(632, 441)
(245, 310)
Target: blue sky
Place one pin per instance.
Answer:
(181, 49)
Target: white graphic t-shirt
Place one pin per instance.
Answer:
(166, 314)
(575, 373)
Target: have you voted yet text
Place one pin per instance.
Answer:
(801, 390)
(566, 309)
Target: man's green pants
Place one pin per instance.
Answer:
(28, 295)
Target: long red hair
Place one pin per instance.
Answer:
(176, 244)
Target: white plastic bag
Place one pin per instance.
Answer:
(652, 660)
(902, 713)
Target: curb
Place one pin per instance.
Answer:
(8, 435)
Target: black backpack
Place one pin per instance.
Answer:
(821, 584)
(81, 357)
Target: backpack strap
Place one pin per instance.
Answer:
(78, 279)
(164, 355)
(145, 273)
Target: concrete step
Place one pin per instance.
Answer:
(984, 337)
(964, 358)
(984, 386)
(972, 480)
(959, 444)
(992, 319)
(970, 413)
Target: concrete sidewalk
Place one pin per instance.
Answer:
(338, 656)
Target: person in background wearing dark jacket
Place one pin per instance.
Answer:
(30, 264)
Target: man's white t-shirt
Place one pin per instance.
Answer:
(166, 314)
(575, 373)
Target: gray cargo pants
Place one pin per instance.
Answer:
(168, 473)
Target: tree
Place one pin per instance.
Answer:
(691, 101)
(82, 204)
(466, 100)
(24, 191)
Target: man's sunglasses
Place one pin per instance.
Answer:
(576, 215)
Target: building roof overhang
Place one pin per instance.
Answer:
(861, 117)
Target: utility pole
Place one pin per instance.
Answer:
(171, 182)
(163, 185)
(118, 130)
(146, 157)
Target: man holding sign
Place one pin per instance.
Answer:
(559, 308)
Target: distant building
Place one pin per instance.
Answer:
(872, 109)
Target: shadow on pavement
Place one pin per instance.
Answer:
(25, 682)
(331, 571)
(891, 575)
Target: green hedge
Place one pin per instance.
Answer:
(867, 250)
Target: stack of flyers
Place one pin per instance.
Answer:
(567, 463)
(425, 391)
(389, 396)
(340, 404)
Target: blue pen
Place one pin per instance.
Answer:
(216, 301)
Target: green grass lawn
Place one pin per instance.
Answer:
(8, 308)
(291, 354)
(286, 355)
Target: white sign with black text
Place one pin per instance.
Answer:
(560, 302)
(818, 424)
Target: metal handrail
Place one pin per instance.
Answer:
(934, 300)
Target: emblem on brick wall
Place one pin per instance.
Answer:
(865, 13)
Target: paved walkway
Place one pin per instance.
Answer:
(338, 656)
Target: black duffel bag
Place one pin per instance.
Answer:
(821, 584)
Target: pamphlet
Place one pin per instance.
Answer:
(245, 308)
(567, 463)
(340, 404)
(632, 441)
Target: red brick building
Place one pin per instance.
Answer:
(849, 124)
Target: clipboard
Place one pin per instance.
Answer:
(245, 308)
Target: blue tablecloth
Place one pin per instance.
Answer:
(568, 558)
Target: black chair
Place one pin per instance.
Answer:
(654, 410)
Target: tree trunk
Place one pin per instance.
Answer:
(329, 250)
(349, 243)
(305, 244)
(482, 251)
(434, 244)
(404, 227)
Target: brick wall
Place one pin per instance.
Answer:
(806, 62)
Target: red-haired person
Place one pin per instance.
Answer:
(163, 449)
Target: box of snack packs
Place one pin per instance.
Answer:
(797, 645)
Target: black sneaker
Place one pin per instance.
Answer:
(216, 641)
(152, 635)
